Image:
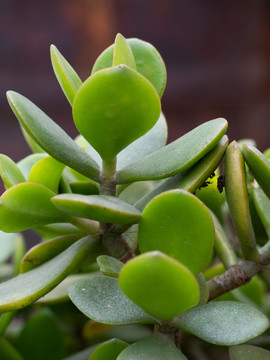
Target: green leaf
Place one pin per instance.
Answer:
(26, 164)
(191, 179)
(237, 199)
(60, 293)
(7, 245)
(28, 205)
(109, 265)
(51, 137)
(259, 165)
(47, 172)
(113, 108)
(8, 352)
(108, 350)
(224, 322)
(20, 249)
(160, 285)
(204, 291)
(27, 288)
(84, 187)
(122, 53)
(262, 204)
(180, 225)
(248, 352)
(45, 251)
(154, 348)
(31, 143)
(152, 141)
(177, 156)
(10, 172)
(133, 192)
(101, 299)
(97, 207)
(148, 62)
(41, 337)
(65, 74)
(52, 230)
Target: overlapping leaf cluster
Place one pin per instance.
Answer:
(132, 228)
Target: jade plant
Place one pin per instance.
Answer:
(147, 250)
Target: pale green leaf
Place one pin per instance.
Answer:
(65, 74)
(101, 299)
(51, 137)
(177, 156)
(27, 288)
(224, 322)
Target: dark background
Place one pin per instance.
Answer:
(217, 55)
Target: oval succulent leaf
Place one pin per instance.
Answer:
(31, 143)
(47, 172)
(191, 179)
(259, 165)
(180, 225)
(101, 299)
(27, 288)
(160, 285)
(248, 352)
(177, 156)
(65, 74)
(51, 137)
(10, 172)
(223, 322)
(154, 348)
(26, 164)
(109, 265)
(237, 198)
(108, 350)
(97, 207)
(113, 108)
(45, 251)
(122, 53)
(144, 54)
(28, 205)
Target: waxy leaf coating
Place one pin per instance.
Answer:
(114, 107)
(154, 348)
(176, 157)
(223, 322)
(28, 205)
(101, 299)
(180, 225)
(97, 207)
(27, 288)
(109, 265)
(144, 54)
(160, 285)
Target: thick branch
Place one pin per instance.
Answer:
(234, 277)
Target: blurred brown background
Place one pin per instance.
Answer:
(217, 55)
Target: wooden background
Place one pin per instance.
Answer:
(217, 55)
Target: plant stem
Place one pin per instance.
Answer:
(108, 168)
(234, 277)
